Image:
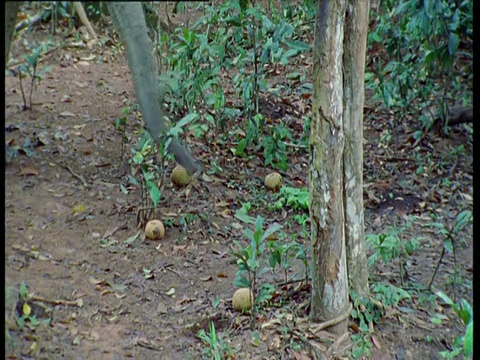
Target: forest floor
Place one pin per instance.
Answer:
(67, 221)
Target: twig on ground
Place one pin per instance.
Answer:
(75, 175)
(56, 302)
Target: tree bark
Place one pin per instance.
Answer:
(82, 15)
(329, 278)
(355, 43)
(11, 10)
(130, 22)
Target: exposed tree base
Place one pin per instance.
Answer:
(459, 115)
(321, 343)
(84, 19)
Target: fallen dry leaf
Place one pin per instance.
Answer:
(94, 281)
(225, 213)
(376, 342)
(28, 171)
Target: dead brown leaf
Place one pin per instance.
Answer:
(225, 213)
(28, 171)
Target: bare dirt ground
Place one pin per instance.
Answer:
(65, 255)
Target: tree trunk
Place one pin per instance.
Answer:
(11, 10)
(355, 42)
(130, 22)
(329, 278)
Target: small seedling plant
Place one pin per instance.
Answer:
(368, 310)
(120, 124)
(452, 237)
(148, 166)
(389, 245)
(215, 347)
(147, 176)
(251, 264)
(30, 67)
(464, 312)
(26, 318)
(295, 198)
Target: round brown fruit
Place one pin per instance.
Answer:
(242, 299)
(154, 230)
(180, 176)
(273, 181)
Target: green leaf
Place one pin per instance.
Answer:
(448, 245)
(240, 149)
(445, 298)
(402, 294)
(131, 239)
(154, 192)
(294, 76)
(216, 301)
(376, 37)
(298, 45)
(241, 215)
(462, 220)
(253, 263)
(453, 42)
(46, 69)
(242, 255)
(187, 119)
(287, 55)
(210, 119)
(436, 320)
(274, 259)
(133, 181)
(23, 290)
(270, 230)
(468, 309)
(417, 134)
(241, 281)
(249, 234)
(468, 340)
(243, 5)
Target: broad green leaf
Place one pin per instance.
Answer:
(298, 45)
(133, 181)
(445, 298)
(270, 230)
(243, 217)
(287, 55)
(468, 340)
(154, 193)
(131, 239)
(187, 119)
(453, 42)
(462, 219)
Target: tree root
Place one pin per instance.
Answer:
(82, 15)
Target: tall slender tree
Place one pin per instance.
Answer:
(354, 47)
(335, 176)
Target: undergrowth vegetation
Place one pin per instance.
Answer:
(227, 72)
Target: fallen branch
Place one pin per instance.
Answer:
(33, 20)
(56, 302)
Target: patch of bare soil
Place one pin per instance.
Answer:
(67, 222)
